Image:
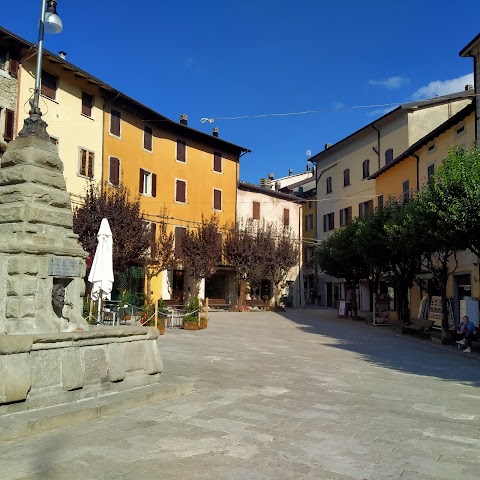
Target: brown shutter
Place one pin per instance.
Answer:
(360, 209)
(217, 199)
(256, 210)
(83, 162)
(153, 238)
(180, 195)
(370, 207)
(87, 104)
(91, 159)
(181, 150)
(114, 171)
(154, 184)
(115, 117)
(13, 67)
(217, 162)
(180, 233)
(142, 176)
(9, 125)
(286, 217)
(147, 138)
(349, 214)
(49, 85)
(324, 223)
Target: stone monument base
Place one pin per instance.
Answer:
(42, 370)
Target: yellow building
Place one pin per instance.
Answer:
(410, 171)
(174, 167)
(72, 106)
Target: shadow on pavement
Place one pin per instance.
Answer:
(387, 349)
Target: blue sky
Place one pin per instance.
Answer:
(233, 58)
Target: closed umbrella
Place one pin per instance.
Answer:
(101, 273)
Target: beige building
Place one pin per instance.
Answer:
(343, 170)
(262, 204)
(71, 105)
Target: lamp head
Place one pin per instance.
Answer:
(53, 23)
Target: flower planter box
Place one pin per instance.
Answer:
(190, 325)
(203, 323)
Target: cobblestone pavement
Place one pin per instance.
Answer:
(300, 395)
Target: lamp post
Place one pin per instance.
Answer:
(50, 22)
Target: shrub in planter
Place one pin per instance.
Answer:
(203, 323)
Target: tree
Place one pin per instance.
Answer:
(281, 254)
(130, 232)
(162, 251)
(202, 251)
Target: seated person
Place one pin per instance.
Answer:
(466, 330)
(469, 338)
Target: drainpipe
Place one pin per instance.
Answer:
(418, 169)
(378, 145)
(300, 256)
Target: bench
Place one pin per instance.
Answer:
(218, 303)
(419, 325)
(257, 303)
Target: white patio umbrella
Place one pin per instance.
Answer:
(101, 273)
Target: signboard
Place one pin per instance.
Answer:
(64, 267)
(342, 308)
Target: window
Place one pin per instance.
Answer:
(380, 200)
(114, 171)
(49, 85)
(87, 158)
(431, 148)
(406, 190)
(87, 104)
(365, 208)
(309, 222)
(13, 67)
(115, 122)
(180, 191)
(328, 222)
(329, 185)
(181, 151)
(366, 168)
(345, 216)
(217, 162)
(388, 156)
(180, 233)
(147, 138)
(256, 211)
(460, 131)
(430, 172)
(286, 217)
(346, 177)
(147, 183)
(8, 133)
(217, 199)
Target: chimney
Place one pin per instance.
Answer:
(290, 172)
(271, 176)
(215, 131)
(328, 145)
(468, 87)
(62, 55)
(184, 119)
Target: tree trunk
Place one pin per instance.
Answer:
(243, 293)
(148, 295)
(403, 307)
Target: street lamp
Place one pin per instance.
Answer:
(50, 22)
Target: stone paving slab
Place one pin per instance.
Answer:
(300, 395)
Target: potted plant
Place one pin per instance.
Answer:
(190, 321)
(147, 318)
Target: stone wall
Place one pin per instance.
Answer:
(50, 369)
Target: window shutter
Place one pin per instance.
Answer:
(217, 162)
(9, 125)
(181, 190)
(114, 171)
(286, 217)
(83, 162)
(87, 104)
(115, 117)
(324, 223)
(91, 159)
(153, 238)
(360, 209)
(388, 155)
(217, 199)
(154, 184)
(147, 138)
(181, 150)
(369, 207)
(256, 210)
(142, 179)
(180, 233)
(349, 214)
(49, 85)
(13, 67)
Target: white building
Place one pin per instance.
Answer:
(264, 204)
(342, 172)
